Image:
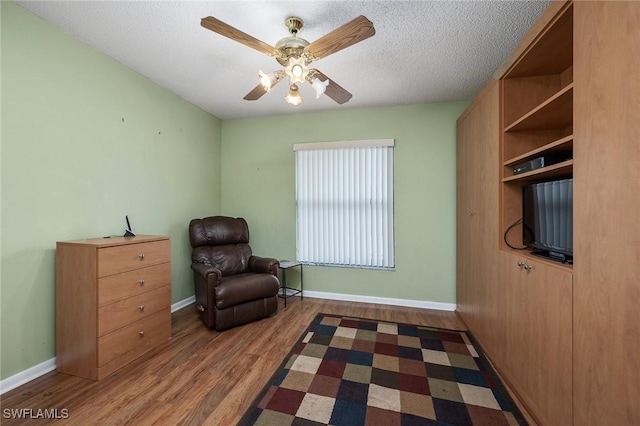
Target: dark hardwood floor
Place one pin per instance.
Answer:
(199, 376)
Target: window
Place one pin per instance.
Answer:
(344, 203)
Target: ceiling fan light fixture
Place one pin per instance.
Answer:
(293, 97)
(319, 86)
(297, 69)
(269, 80)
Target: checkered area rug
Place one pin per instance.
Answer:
(353, 371)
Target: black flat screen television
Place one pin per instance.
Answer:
(547, 216)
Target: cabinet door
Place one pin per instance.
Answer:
(539, 337)
(490, 291)
(478, 289)
(466, 207)
(606, 205)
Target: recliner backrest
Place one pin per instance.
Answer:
(218, 230)
(222, 242)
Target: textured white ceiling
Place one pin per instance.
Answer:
(423, 51)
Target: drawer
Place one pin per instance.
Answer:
(128, 343)
(125, 311)
(122, 286)
(114, 260)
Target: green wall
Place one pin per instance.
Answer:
(258, 175)
(86, 141)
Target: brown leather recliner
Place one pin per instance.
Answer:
(233, 287)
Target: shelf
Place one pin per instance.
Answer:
(550, 53)
(554, 113)
(564, 168)
(537, 114)
(564, 144)
(526, 254)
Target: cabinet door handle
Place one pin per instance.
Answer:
(141, 307)
(141, 333)
(524, 265)
(141, 256)
(141, 282)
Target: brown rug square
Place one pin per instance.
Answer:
(354, 371)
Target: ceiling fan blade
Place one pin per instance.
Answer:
(334, 90)
(347, 35)
(255, 94)
(235, 34)
(258, 91)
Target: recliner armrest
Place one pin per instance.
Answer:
(263, 265)
(207, 272)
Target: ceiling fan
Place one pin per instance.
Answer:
(295, 54)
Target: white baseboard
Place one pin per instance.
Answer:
(27, 375)
(382, 300)
(36, 371)
(181, 304)
(353, 298)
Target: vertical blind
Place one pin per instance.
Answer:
(344, 203)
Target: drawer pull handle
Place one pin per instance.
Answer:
(141, 282)
(141, 256)
(141, 333)
(141, 307)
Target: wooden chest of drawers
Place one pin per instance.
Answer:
(113, 302)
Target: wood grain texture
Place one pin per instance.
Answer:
(607, 202)
(522, 319)
(556, 146)
(551, 52)
(478, 290)
(554, 113)
(199, 376)
(133, 283)
(491, 292)
(115, 241)
(352, 32)
(98, 320)
(76, 303)
(235, 34)
(538, 358)
(467, 162)
(488, 86)
(537, 108)
(127, 310)
(129, 342)
(257, 92)
(522, 144)
(524, 94)
(115, 260)
(334, 90)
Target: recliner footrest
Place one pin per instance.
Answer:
(242, 288)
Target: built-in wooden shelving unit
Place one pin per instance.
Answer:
(537, 116)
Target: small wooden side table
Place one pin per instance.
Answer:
(287, 292)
